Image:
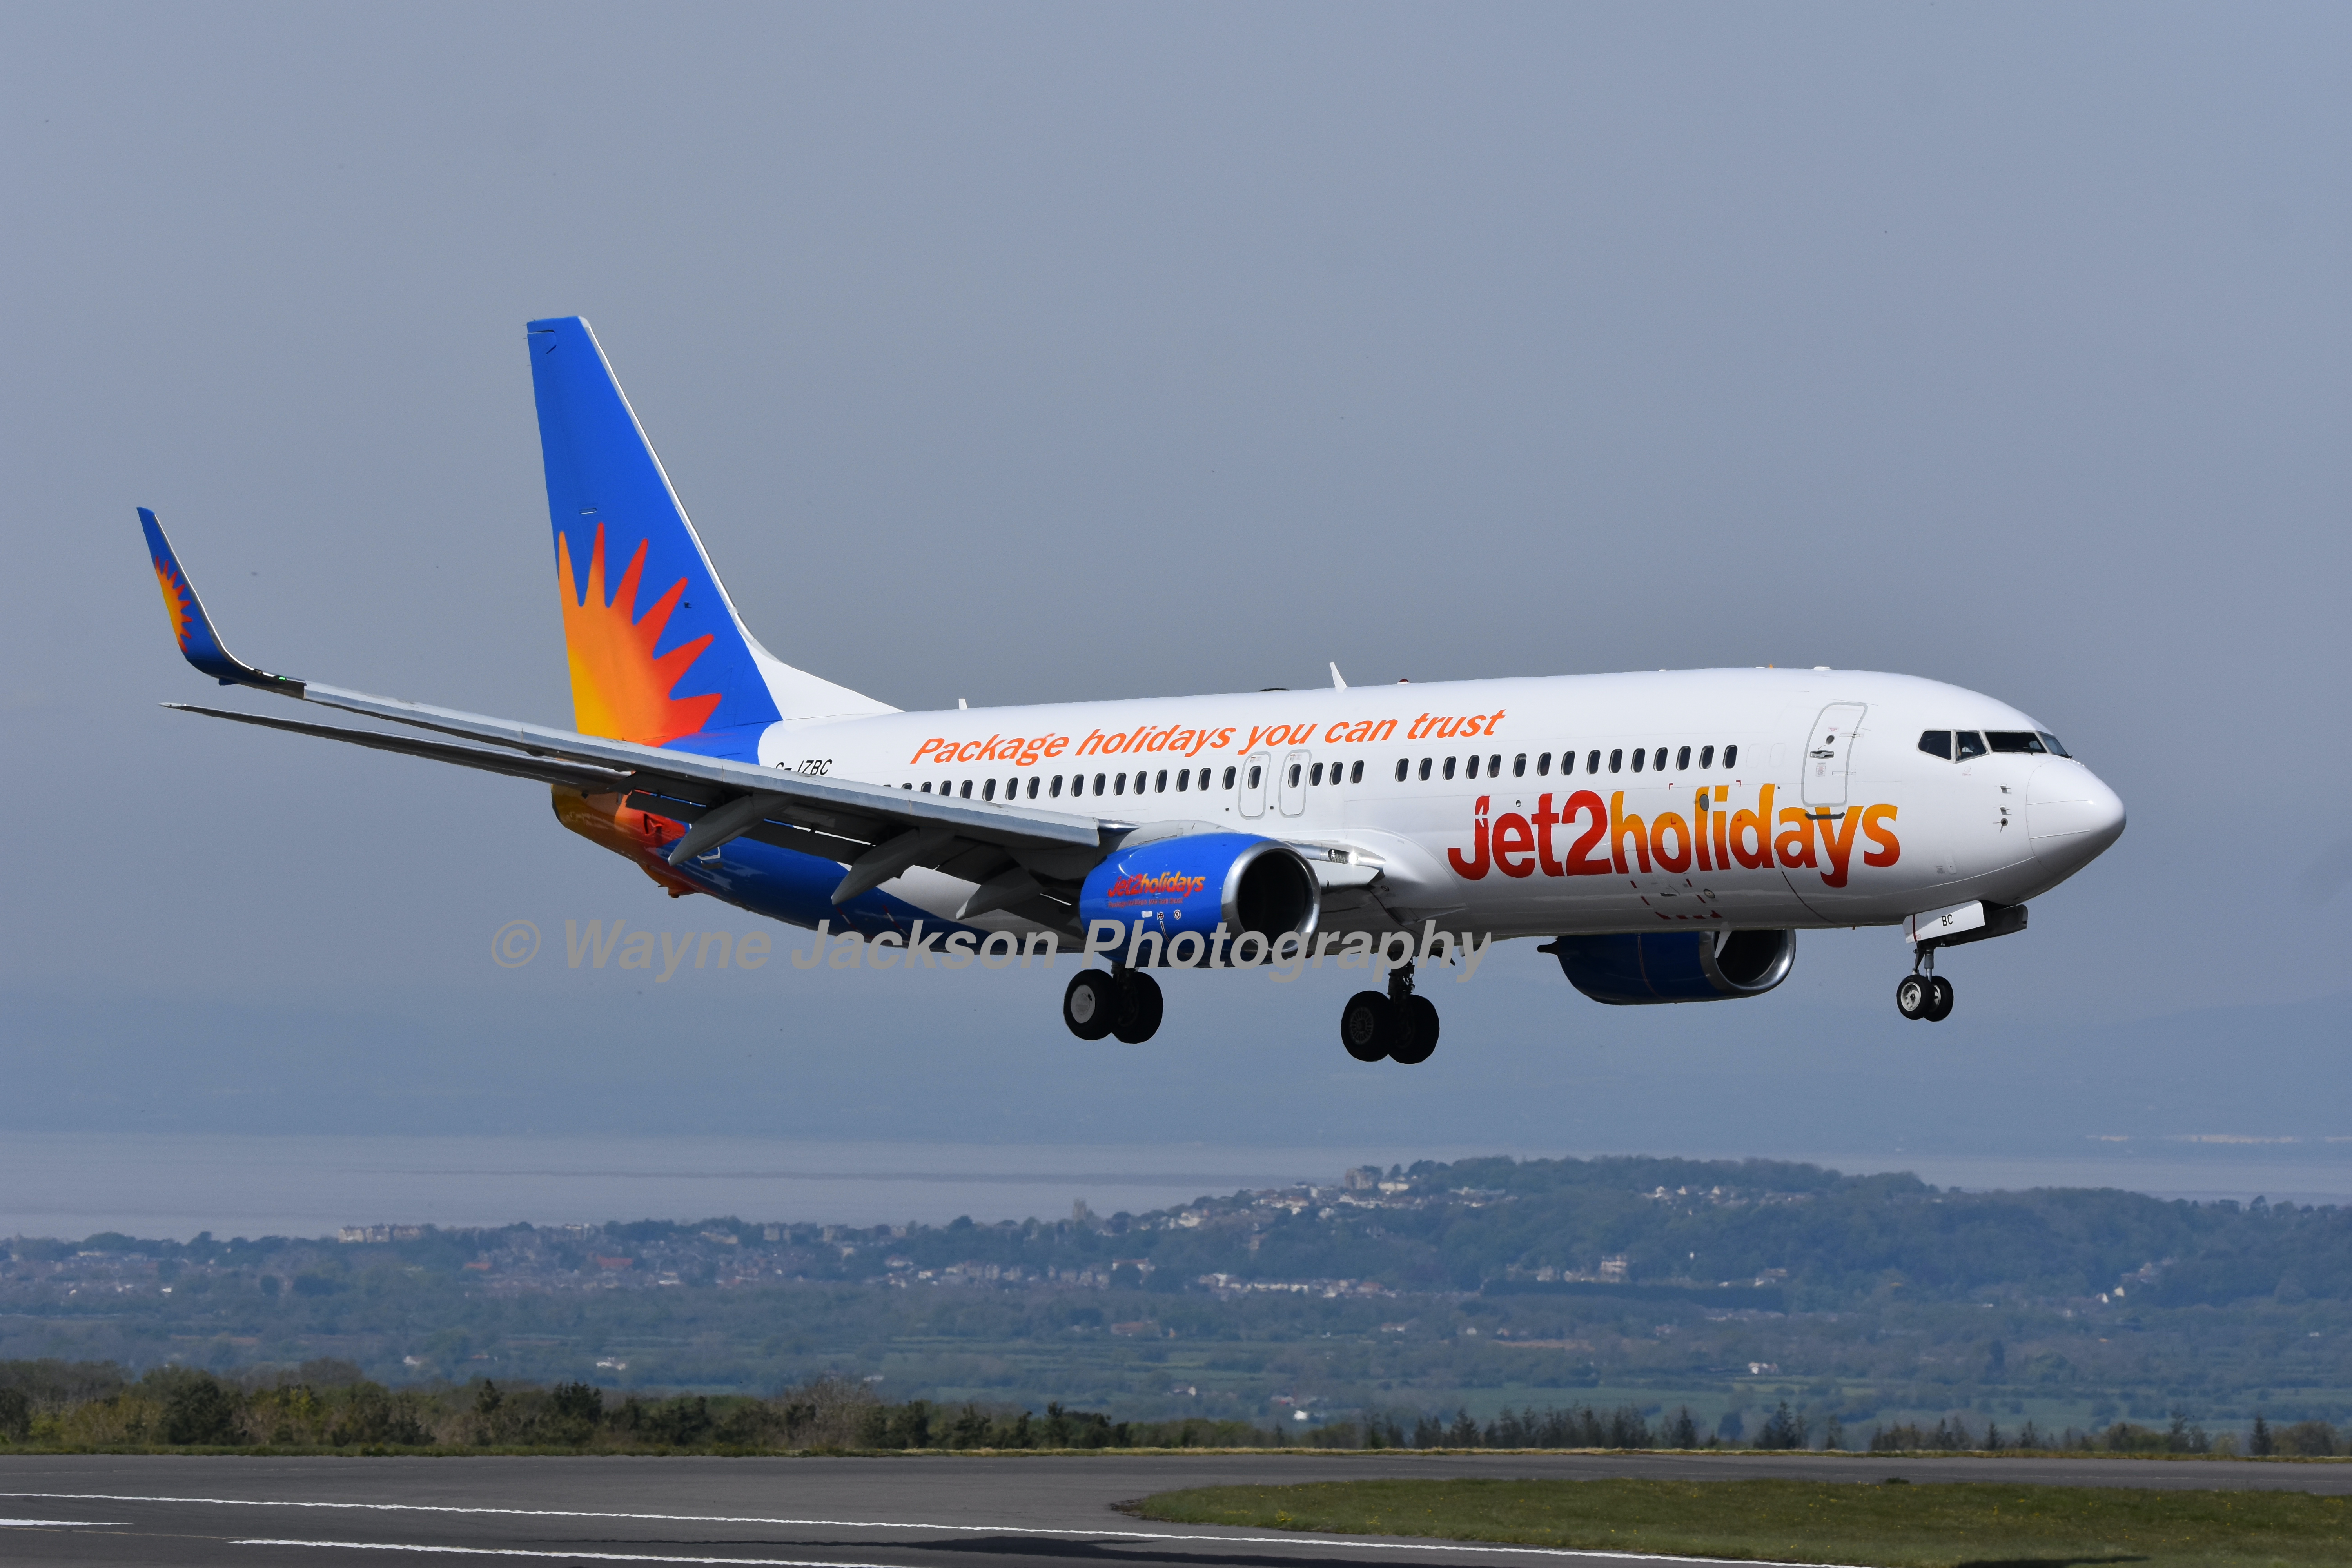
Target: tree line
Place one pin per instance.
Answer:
(82, 1406)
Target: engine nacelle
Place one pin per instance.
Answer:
(1637, 968)
(1195, 883)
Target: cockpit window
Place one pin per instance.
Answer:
(1966, 744)
(2015, 740)
(1937, 743)
(2050, 740)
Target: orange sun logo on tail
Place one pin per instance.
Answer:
(619, 689)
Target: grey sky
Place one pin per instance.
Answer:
(1018, 352)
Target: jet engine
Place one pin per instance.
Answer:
(1200, 881)
(1637, 968)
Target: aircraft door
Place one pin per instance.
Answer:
(1294, 784)
(1254, 767)
(1828, 753)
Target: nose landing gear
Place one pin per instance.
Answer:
(1400, 1025)
(1928, 995)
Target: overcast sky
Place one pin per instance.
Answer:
(1018, 352)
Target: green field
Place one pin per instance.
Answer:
(1955, 1525)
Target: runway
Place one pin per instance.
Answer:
(915, 1512)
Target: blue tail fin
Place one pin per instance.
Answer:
(657, 652)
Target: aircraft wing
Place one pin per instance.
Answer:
(875, 831)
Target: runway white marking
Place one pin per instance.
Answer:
(57, 1523)
(1353, 1544)
(567, 1556)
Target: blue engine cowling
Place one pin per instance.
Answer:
(1197, 882)
(1637, 968)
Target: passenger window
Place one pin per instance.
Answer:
(1658, 763)
(1937, 743)
(966, 791)
(1118, 784)
(1449, 767)
(1256, 772)
(1098, 783)
(1057, 790)
(2024, 740)
(1401, 766)
(1495, 765)
(1229, 778)
(1731, 756)
(1682, 759)
(1184, 778)
(1616, 759)
(1314, 775)
(1424, 770)
(1705, 758)
(1639, 756)
(2050, 740)
(1593, 761)
(1473, 772)
(1294, 775)
(1160, 783)
(1543, 764)
(988, 789)
(1356, 774)
(1519, 766)
(927, 787)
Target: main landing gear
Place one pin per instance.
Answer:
(1400, 1026)
(1123, 1002)
(1928, 995)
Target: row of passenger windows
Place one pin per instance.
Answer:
(1960, 745)
(1311, 775)
(1642, 759)
(1110, 784)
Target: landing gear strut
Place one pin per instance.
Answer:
(1924, 994)
(1400, 1025)
(1124, 1002)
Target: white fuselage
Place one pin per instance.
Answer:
(1488, 832)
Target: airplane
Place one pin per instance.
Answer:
(1667, 833)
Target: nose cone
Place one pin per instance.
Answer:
(2070, 815)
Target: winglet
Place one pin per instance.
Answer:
(198, 642)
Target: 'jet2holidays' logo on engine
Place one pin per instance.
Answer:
(1608, 839)
(1162, 887)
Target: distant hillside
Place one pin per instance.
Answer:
(1726, 1285)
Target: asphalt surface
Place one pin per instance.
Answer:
(840, 1513)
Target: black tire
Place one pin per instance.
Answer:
(1939, 1001)
(1912, 995)
(1140, 1008)
(1368, 1026)
(1417, 1031)
(1090, 1004)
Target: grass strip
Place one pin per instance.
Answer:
(1963, 1524)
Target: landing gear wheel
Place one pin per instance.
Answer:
(1140, 1008)
(1940, 1000)
(1912, 995)
(1368, 1026)
(1418, 1018)
(1089, 1003)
